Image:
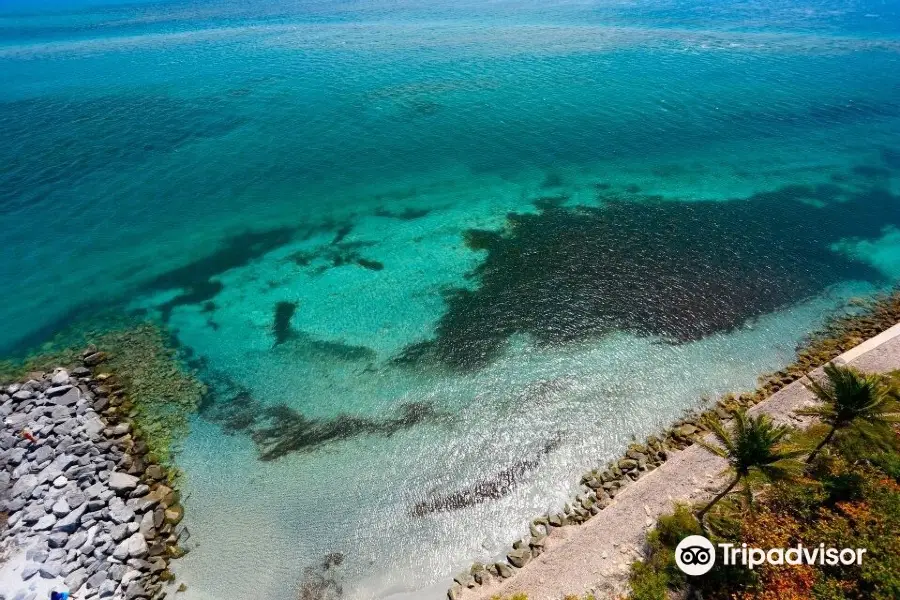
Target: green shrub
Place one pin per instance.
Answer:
(648, 583)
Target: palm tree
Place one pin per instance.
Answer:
(849, 398)
(756, 452)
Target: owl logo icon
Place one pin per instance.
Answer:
(695, 555)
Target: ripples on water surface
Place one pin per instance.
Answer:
(426, 248)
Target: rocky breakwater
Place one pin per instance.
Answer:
(86, 510)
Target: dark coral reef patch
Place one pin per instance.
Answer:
(280, 430)
(493, 487)
(195, 279)
(281, 325)
(678, 270)
(337, 254)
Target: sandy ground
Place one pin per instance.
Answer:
(595, 557)
(11, 578)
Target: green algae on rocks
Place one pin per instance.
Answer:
(137, 360)
(160, 393)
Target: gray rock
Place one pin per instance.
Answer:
(37, 555)
(64, 461)
(44, 452)
(135, 590)
(15, 456)
(147, 528)
(157, 565)
(24, 486)
(61, 508)
(117, 572)
(70, 522)
(118, 532)
(138, 564)
(45, 523)
(146, 503)
(120, 513)
(131, 574)
(56, 555)
(122, 481)
(58, 390)
(75, 498)
(17, 420)
(96, 490)
(33, 512)
(120, 429)
(48, 474)
(39, 492)
(29, 571)
(121, 551)
(76, 540)
(137, 546)
(65, 428)
(71, 397)
(50, 569)
(60, 376)
(519, 557)
(140, 490)
(57, 539)
(107, 588)
(76, 579)
(94, 426)
(97, 579)
(70, 565)
(80, 448)
(22, 395)
(504, 570)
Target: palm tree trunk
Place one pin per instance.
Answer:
(812, 455)
(702, 514)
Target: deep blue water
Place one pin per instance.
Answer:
(498, 226)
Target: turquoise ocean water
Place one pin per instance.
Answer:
(436, 259)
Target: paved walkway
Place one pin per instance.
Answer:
(595, 557)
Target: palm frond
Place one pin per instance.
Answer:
(717, 450)
(720, 433)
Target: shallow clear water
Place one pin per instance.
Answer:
(693, 188)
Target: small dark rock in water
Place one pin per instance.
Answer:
(372, 265)
(407, 214)
(519, 557)
(322, 583)
(333, 559)
(94, 359)
(284, 312)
